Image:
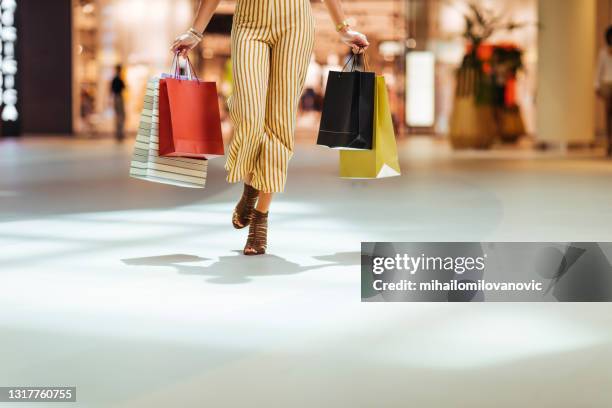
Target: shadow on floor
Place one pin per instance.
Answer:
(240, 269)
(163, 260)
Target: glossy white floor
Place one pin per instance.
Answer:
(136, 292)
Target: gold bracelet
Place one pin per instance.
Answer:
(342, 26)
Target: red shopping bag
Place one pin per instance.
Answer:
(189, 119)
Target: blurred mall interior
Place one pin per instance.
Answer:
(63, 80)
(137, 293)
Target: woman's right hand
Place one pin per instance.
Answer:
(354, 39)
(184, 43)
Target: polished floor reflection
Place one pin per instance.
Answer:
(137, 293)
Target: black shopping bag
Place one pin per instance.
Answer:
(347, 120)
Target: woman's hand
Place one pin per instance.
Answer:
(354, 39)
(184, 43)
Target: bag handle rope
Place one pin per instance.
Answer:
(352, 61)
(191, 74)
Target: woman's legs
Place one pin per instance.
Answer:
(291, 41)
(251, 70)
(292, 45)
(290, 56)
(264, 201)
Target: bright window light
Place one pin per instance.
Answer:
(420, 89)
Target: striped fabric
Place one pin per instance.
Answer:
(272, 42)
(146, 163)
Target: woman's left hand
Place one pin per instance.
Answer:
(357, 41)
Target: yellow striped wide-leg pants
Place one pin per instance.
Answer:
(272, 43)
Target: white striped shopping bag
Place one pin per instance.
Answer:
(146, 162)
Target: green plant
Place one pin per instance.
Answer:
(480, 25)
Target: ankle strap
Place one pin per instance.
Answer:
(259, 214)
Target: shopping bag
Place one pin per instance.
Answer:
(147, 164)
(190, 121)
(382, 161)
(348, 110)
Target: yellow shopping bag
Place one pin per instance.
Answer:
(382, 160)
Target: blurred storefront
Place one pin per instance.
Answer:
(35, 67)
(133, 33)
(417, 44)
(107, 34)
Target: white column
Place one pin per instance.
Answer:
(566, 66)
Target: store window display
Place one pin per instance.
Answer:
(108, 33)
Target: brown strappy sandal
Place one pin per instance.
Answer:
(243, 211)
(258, 234)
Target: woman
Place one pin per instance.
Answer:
(272, 42)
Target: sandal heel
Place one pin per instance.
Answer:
(257, 241)
(241, 217)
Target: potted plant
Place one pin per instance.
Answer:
(474, 121)
(506, 62)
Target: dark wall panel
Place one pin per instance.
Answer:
(45, 48)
